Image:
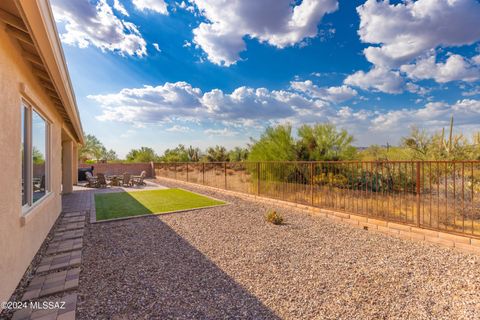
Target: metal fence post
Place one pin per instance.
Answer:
(311, 184)
(203, 173)
(258, 178)
(187, 171)
(225, 170)
(418, 181)
(175, 171)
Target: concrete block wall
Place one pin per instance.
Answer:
(120, 168)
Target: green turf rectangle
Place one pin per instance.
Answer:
(125, 204)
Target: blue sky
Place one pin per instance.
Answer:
(203, 72)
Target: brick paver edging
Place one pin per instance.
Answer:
(463, 243)
(56, 277)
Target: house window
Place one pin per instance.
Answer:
(35, 156)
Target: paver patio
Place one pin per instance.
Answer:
(69, 234)
(64, 246)
(71, 226)
(60, 261)
(50, 290)
(52, 283)
(72, 220)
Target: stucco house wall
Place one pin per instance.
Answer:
(22, 232)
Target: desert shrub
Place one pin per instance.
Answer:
(274, 217)
(331, 180)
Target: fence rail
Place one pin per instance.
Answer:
(439, 195)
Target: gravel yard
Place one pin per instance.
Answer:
(228, 263)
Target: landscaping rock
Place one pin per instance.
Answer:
(229, 263)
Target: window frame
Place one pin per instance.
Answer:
(27, 167)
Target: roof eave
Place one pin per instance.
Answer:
(41, 24)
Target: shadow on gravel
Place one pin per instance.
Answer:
(144, 269)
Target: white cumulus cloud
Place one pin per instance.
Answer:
(404, 31)
(405, 36)
(225, 132)
(177, 128)
(454, 68)
(476, 59)
(158, 6)
(88, 24)
(432, 116)
(378, 79)
(157, 47)
(150, 104)
(332, 94)
(177, 103)
(279, 23)
(250, 103)
(117, 5)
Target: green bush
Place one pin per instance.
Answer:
(274, 217)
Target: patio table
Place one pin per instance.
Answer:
(115, 180)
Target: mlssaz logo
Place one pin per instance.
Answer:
(48, 305)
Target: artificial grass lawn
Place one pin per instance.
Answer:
(125, 204)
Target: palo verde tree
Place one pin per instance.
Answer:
(317, 142)
(110, 155)
(419, 142)
(276, 143)
(144, 154)
(324, 142)
(177, 154)
(92, 149)
(37, 156)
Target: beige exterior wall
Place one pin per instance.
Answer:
(21, 234)
(75, 165)
(67, 168)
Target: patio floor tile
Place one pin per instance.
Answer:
(69, 234)
(74, 214)
(63, 260)
(72, 219)
(64, 246)
(71, 226)
(52, 283)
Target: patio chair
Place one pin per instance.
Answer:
(139, 179)
(126, 181)
(92, 181)
(102, 181)
(40, 185)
